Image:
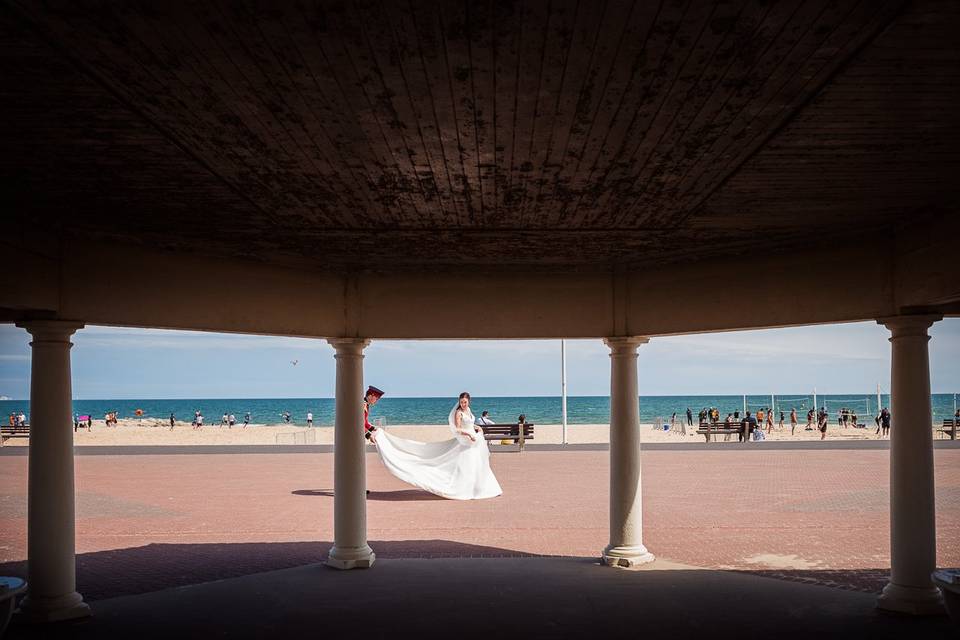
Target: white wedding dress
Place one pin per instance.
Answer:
(458, 468)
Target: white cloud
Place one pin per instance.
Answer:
(99, 336)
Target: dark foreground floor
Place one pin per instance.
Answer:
(495, 598)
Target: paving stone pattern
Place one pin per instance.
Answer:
(150, 522)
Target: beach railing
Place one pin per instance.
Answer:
(307, 436)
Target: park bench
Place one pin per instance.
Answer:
(9, 431)
(509, 432)
(708, 429)
(949, 427)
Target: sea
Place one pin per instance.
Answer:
(536, 409)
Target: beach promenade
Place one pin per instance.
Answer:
(151, 522)
(131, 432)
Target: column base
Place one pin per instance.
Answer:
(43, 610)
(627, 556)
(915, 601)
(351, 557)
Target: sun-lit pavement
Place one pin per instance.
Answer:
(150, 522)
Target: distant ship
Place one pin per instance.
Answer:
(5, 398)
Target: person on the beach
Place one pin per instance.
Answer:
(809, 426)
(370, 398)
(769, 420)
(885, 422)
(231, 420)
(485, 419)
(689, 417)
(286, 417)
(89, 423)
(76, 422)
(853, 419)
(246, 419)
(793, 420)
(823, 424)
(198, 421)
(745, 428)
(309, 418)
(172, 420)
(780, 422)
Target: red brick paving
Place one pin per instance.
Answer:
(148, 522)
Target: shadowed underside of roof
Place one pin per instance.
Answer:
(413, 135)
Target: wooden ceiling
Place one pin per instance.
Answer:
(418, 134)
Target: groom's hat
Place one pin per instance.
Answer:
(373, 391)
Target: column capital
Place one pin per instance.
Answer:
(909, 325)
(625, 344)
(349, 346)
(50, 330)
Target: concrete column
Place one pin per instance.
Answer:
(350, 549)
(626, 515)
(913, 539)
(51, 539)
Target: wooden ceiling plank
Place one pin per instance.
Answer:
(306, 104)
(646, 23)
(228, 69)
(666, 85)
(432, 49)
(396, 108)
(610, 34)
(507, 25)
(534, 25)
(560, 25)
(307, 28)
(145, 84)
(455, 29)
(409, 64)
(584, 34)
(741, 77)
(704, 71)
(481, 31)
(260, 149)
(348, 51)
(828, 46)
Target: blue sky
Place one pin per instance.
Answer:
(111, 362)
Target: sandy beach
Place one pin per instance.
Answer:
(155, 432)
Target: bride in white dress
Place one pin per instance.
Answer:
(458, 468)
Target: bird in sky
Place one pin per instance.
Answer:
(294, 362)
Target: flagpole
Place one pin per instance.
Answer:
(563, 388)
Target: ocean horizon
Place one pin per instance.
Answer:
(434, 410)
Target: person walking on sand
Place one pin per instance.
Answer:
(769, 420)
(173, 419)
(689, 417)
(246, 419)
(223, 420)
(793, 420)
(824, 417)
(780, 422)
(885, 422)
(198, 421)
(309, 418)
(231, 420)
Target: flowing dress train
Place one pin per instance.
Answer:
(458, 468)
